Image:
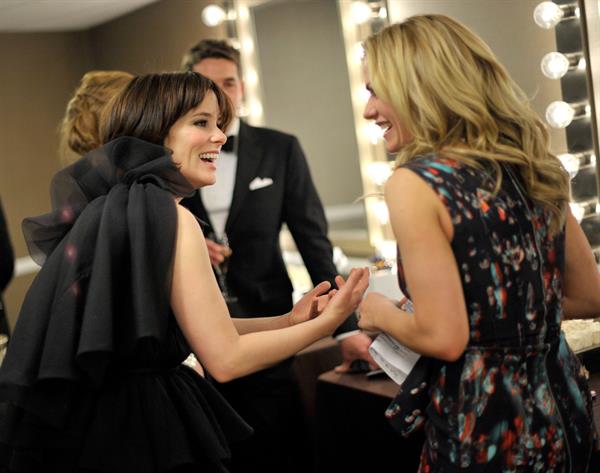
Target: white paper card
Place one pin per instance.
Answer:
(393, 357)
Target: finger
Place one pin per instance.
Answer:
(372, 363)
(339, 281)
(320, 289)
(343, 368)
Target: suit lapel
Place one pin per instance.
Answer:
(249, 156)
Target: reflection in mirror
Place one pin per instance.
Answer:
(305, 92)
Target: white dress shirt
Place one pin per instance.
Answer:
(217, 198)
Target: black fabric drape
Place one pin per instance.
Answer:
(106, 250)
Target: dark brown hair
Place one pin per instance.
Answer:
(152, 103)
(211, 48)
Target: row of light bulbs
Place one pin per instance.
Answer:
(560, 114)
(555, 65)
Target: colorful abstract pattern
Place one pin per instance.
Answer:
(515, 401)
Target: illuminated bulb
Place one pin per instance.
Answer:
(248, 45)
(592, 159)
(373, 132)
(588, 110)
(363, 95)
(381, 212)
(577, 210)
(360, 12)
(235, 43)
(547, 15)
(555, 65)
(383, 13)
(251, 78)
(244, 13)
(570, 163)
(581, 65)
(559, 114)
(597, 208)
(379, 172)
(256, 109)
(387, 249)
(213, 15)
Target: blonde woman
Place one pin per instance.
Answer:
(80, 127)
(488, 251)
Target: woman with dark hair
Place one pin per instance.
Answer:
(93, 376)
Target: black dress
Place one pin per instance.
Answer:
(92, 380)
(516, 401)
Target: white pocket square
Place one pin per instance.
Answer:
(259, 183)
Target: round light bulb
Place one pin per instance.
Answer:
(547, 15)
(577, 210)
(555, 65)
(373, 132)
(213, 15)
(559, 114)
(256, 109)
(379, 172)
(381, 212)
(570, 163)
(387, 249)
(360, 12)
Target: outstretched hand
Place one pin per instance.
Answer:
(311, 304)
(345, 300)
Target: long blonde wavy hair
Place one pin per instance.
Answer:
(80, 127)
(455, 98)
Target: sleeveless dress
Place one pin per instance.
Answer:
(516, 401)
(92, 380)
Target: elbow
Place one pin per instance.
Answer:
(451, 350)
(222, 376)
(451, 354)
(223, 372)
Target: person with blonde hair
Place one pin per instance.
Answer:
(80, 127)
(488, 252)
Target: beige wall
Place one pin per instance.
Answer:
(39, 72)
(38, 75)
(153, 38)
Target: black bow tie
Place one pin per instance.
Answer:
(229, 144)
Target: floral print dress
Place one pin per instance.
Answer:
(516, 400)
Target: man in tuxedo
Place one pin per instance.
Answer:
(263, 181)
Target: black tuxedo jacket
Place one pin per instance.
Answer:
(272, 186)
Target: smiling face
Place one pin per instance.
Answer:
(196, 140)
(396, 135)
